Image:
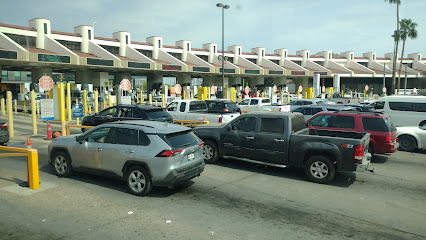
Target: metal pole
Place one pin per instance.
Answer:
(223, 52)
(405, 83)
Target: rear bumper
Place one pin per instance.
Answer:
(388, 148)
(174, 178)
(364, 165)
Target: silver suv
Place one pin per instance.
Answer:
(142, 153)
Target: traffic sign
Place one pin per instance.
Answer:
(300, 88)
(45, 83)
(125, 84)
(178, 89)
(47, 109)
(274, 88)
(366, 87)
(213, 89)
(247, 90)
(77, 111)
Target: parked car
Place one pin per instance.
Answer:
(380, 126)
(300, 102)
(260, 104)
(361, 107)
(142, 153)
(222, 106)
(4, 133)
(196, 110)
(78, 95)
(310, 110)
(127, 112)
(411, 138)
(335, 97)
(281, 139)
(404, 110)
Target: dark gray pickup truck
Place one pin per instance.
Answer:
(281, 139)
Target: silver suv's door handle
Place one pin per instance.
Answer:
(129, 151)
(250, 138)
(98, 149)
(279, 140)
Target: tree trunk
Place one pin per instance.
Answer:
(395, 53)
(400, 65)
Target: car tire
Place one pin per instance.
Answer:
(319, 169)
(210, 152)
(61, 163)
(407, 143)
(138, 181)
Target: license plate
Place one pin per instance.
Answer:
(191, 156)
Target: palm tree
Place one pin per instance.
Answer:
(395, 49)
(408, 29)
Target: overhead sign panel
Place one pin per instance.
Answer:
(100, 62)
(321, 73)
(251, 71)
(172, 67)
(8, 54)
(200, 69)
(276, 72)
(138, 65)
(297, 73)
(53, 58)
(228, 70)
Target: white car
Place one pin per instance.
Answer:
(411, 137)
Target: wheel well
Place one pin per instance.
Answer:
(55, 150)
(130, 164)
(408, 135)
(213, 141)
(312, 153)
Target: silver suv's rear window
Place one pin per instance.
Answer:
(182, 139)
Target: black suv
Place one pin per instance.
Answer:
(127, 112)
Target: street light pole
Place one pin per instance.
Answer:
(223, 45)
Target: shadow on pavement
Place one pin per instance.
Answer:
(342, 179)
(117, 184)
(379, 158)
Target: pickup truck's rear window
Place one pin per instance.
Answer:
(298, 123)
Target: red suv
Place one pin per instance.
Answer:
(382, 131)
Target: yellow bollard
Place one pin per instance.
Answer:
(305, 95)
(62, 107)
(141, 97)
(33, 173)
(288, 97)
(183, 93)
(90, 110)
(85, 102)
(38, 109)
(3, 111)
(10, 113)
(150, 99)
(60, 100)
(25, 108)
(95, 102)
(33, 112)
(69, 107)
(342, 93)
(257, 93)
(232, 94)
(192, 95)
(78, 121)
(163, 100)
(109, 100)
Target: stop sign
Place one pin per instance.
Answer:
(213, 89)
(178, 89)
(247, 89)
(45, 83)
(125, 84)
(274, 88)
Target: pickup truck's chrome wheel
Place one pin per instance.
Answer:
(61, 162)
(319, 169)
(138, 181)
(210, 152)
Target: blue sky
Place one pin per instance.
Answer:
(336, 25)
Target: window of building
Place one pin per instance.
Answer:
(205, 58)
(214, 50)
(298, 63)
(272, 125)
(177, 55)
(17, 75)
(147, 53)
(374, 56)
(263, 53)
(45, 28)
(365, 64)
(4, 75)
(159, 43)
(111, 49)
(90, 34)
(307, 55)
(329, 55)
(352, 57)
(187, 47)
(252, 60)
(24, 41)
(285, 54)
(418, 58)
(71, 45)
(239, 51)
(127, 39)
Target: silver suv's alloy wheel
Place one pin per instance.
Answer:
(61, 164)
(319, 170)
(137, 181)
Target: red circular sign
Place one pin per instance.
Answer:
(300, 88)
(274, 88)
(178, 88)
(213, 89)
(125, 84)
(366, 87)
(247, 89)
(45, 83)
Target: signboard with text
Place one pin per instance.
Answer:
(126, 100)
(45, 83)
(125, 84)
(53, 58)
(77, 111)
(47, 109)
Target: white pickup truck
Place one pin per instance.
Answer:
(261, 104)
(195, 110)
